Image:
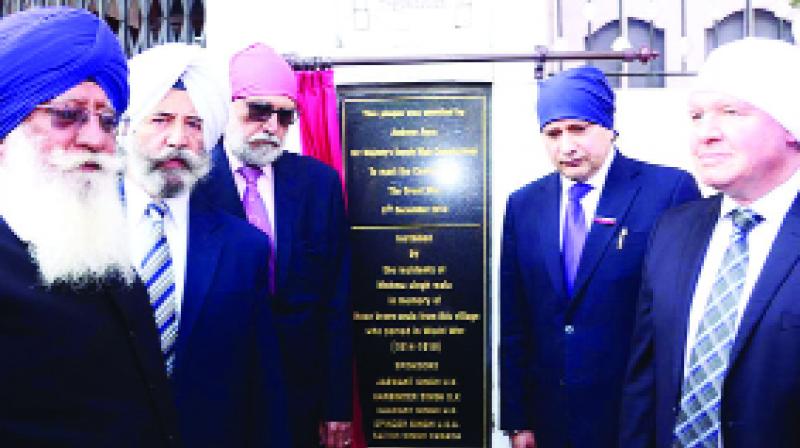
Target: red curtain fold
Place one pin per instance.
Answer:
(319, 120)
(319, 138)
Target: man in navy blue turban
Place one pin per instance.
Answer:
(81, 360)
(572, 250)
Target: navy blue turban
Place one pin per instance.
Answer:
(580, 93)
(46, 51)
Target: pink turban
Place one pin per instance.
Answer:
(259, 71)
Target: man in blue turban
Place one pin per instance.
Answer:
(572, 250)
(81, 359)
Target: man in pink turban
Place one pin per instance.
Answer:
(296, 201)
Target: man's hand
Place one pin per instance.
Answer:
(335, 434)
(523, 439)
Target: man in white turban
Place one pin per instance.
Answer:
(206, 271)
(715, 358)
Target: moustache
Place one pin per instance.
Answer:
(189, 159)
(264, 138)
(65, 161)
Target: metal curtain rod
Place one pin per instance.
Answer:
(541, 55)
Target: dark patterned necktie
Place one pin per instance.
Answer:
(698, 420)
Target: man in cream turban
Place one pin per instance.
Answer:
(206, 271)
(715, 359)
(80, 353)
(296, 201)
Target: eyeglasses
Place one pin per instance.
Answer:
(65, 117)
(262, 112)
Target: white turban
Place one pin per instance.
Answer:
(156, 70)
(762, 72)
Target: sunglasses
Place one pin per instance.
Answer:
(262, 112)
(66, 117)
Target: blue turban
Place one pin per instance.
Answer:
(580, 93)
(46, 51)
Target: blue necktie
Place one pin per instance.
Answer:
(698, 420)
(574, 233)
(156, 272)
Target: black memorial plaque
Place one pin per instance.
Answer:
(417, 181)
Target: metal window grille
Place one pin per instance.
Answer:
(139, 24)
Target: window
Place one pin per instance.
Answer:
(641, 34)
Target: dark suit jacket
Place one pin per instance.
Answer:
(80, 368)
(311, 304)
(229, 388)
(761, 392)
(563, 358)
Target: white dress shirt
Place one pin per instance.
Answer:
(590, 201)
(266, 188)
(773, 208)
(176, 228)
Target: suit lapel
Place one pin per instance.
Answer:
(203, 251)
(691, 254)
(619, 190)
(781, 260)
(287, 199)
(550, 199)
(218, 187)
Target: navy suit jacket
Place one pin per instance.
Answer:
(311, 304)
(563, 358)
(80, 366)
(761, 392)
(229, 388)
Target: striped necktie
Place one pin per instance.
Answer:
(156, 272)
(698, 421)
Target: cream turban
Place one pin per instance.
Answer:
(156, 70)
(762, 72)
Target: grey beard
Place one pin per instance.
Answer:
(258, 150)
(160, 183)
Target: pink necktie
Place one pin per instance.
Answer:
(256, 212)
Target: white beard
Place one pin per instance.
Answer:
(259, 150)
(74, 221)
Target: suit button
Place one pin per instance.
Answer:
(562, 383)
(132, 334)
(569, 329)
(151, 386)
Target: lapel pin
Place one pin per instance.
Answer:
(623, 232)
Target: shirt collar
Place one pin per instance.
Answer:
(773, 205)
(138, 200)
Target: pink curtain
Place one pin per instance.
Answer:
(319, 121)
(319, 137)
